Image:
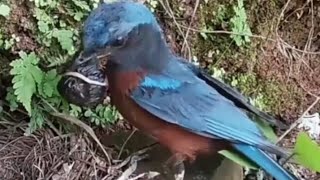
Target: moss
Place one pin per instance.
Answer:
(240, 63)
(211, 48)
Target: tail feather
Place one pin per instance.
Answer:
(265, 162)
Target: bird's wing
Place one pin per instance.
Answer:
(179, 97)
(232, 94)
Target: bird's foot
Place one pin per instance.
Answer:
(175, 166)
(179, 171)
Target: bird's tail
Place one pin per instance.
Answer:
(265, 162)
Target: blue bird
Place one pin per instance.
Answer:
(167, 98)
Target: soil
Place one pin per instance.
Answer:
(22, 25)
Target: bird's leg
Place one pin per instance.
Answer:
(179, 171)
(175, 165)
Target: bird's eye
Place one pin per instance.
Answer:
(120, 41)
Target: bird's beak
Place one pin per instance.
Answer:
(101, 57)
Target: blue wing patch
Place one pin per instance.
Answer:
(197, 107)
(161, 82)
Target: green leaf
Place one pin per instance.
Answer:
(238, 158)
(239, 25)
(78, 16)
(65, 39)
(267, 130)
(88, 113)
(82, 4)
(48, 88)
(43, 26)
(75, 110)
(45, 3)
(36, 121)
(12, 99)
(27, 76)
(307, 152)
(41, 15)
(4, 10)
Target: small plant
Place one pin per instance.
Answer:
(57, 28)
(27, 76)
(218, 73)
(102, 115)
(7, 43)
(30, 84)
(37, 91)
(240, 25)
(47, 27)
(4, 10)
(153, 4)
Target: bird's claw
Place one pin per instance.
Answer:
(180, 171)
(175, 166)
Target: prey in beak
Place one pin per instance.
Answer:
(85, 83)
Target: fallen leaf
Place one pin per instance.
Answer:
(311, 123)
(307, 152)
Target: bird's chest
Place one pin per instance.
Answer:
(120, 86)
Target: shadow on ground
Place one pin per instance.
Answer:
(214, 167)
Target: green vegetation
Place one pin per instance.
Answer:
(239, 25)
(4, 10)
(153, 4)
(307, 152)
(55, 26)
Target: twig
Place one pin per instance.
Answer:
(134, 163)
(125, 143)
(127, 173)
(310, 35)
(148, 175)
(281, 16)
(85, 127)
(53, 128)
(288, 46)
(171, 14)
(10, 143)
(125, 162)
(296, 123)
(185, 41)
(284, 46)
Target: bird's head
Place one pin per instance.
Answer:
(128, 33)
(125, 36)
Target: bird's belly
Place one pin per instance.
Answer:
(177, 139)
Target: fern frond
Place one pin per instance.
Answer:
(49, 84)
(27, 75)
(37, 120)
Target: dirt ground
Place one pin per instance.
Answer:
(282, 63)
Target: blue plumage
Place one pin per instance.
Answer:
(111, 21)
(196, 102)
(161, 82)
(264, 161)
(171, 90)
